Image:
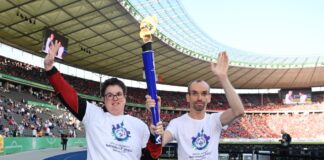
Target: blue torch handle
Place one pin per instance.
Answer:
(148, 60)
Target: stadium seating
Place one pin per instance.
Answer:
(15, 114)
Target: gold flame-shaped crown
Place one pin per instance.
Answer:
(148, 27)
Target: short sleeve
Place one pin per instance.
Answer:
(92, 111)
(173, 129)
(146, 135)
(216, 118)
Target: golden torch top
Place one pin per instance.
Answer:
(148, 27)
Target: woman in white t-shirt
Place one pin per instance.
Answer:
(109, 133)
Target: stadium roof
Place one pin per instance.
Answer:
(176, 24)
(104, 38)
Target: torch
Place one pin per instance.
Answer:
(148, 27)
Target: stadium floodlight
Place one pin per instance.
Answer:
(138, 17)
(158, 34)
(123, 3)
(127, 6)
(181, 49)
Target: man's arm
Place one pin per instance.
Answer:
(66, 93)
(237, 109)
(234, 101)
(166, 138)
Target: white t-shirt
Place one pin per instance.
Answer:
(47, 45)
(197, 139)
(60, 52)
(34, 132)
(303, 98)
(288, 99)
(113, 137)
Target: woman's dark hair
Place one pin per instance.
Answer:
(111, 82)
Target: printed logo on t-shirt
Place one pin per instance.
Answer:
(201, 141)
(120, 133)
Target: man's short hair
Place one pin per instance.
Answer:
(197, 81)
(112, 82)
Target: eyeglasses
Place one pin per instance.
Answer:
(111, 96)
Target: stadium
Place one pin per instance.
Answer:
(101, 40)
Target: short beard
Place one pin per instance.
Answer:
(199, 108)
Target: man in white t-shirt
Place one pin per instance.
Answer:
(34, 132)
(60, 53)
(49, 43)
(197, 133)
(289, 97)
(302, 98)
